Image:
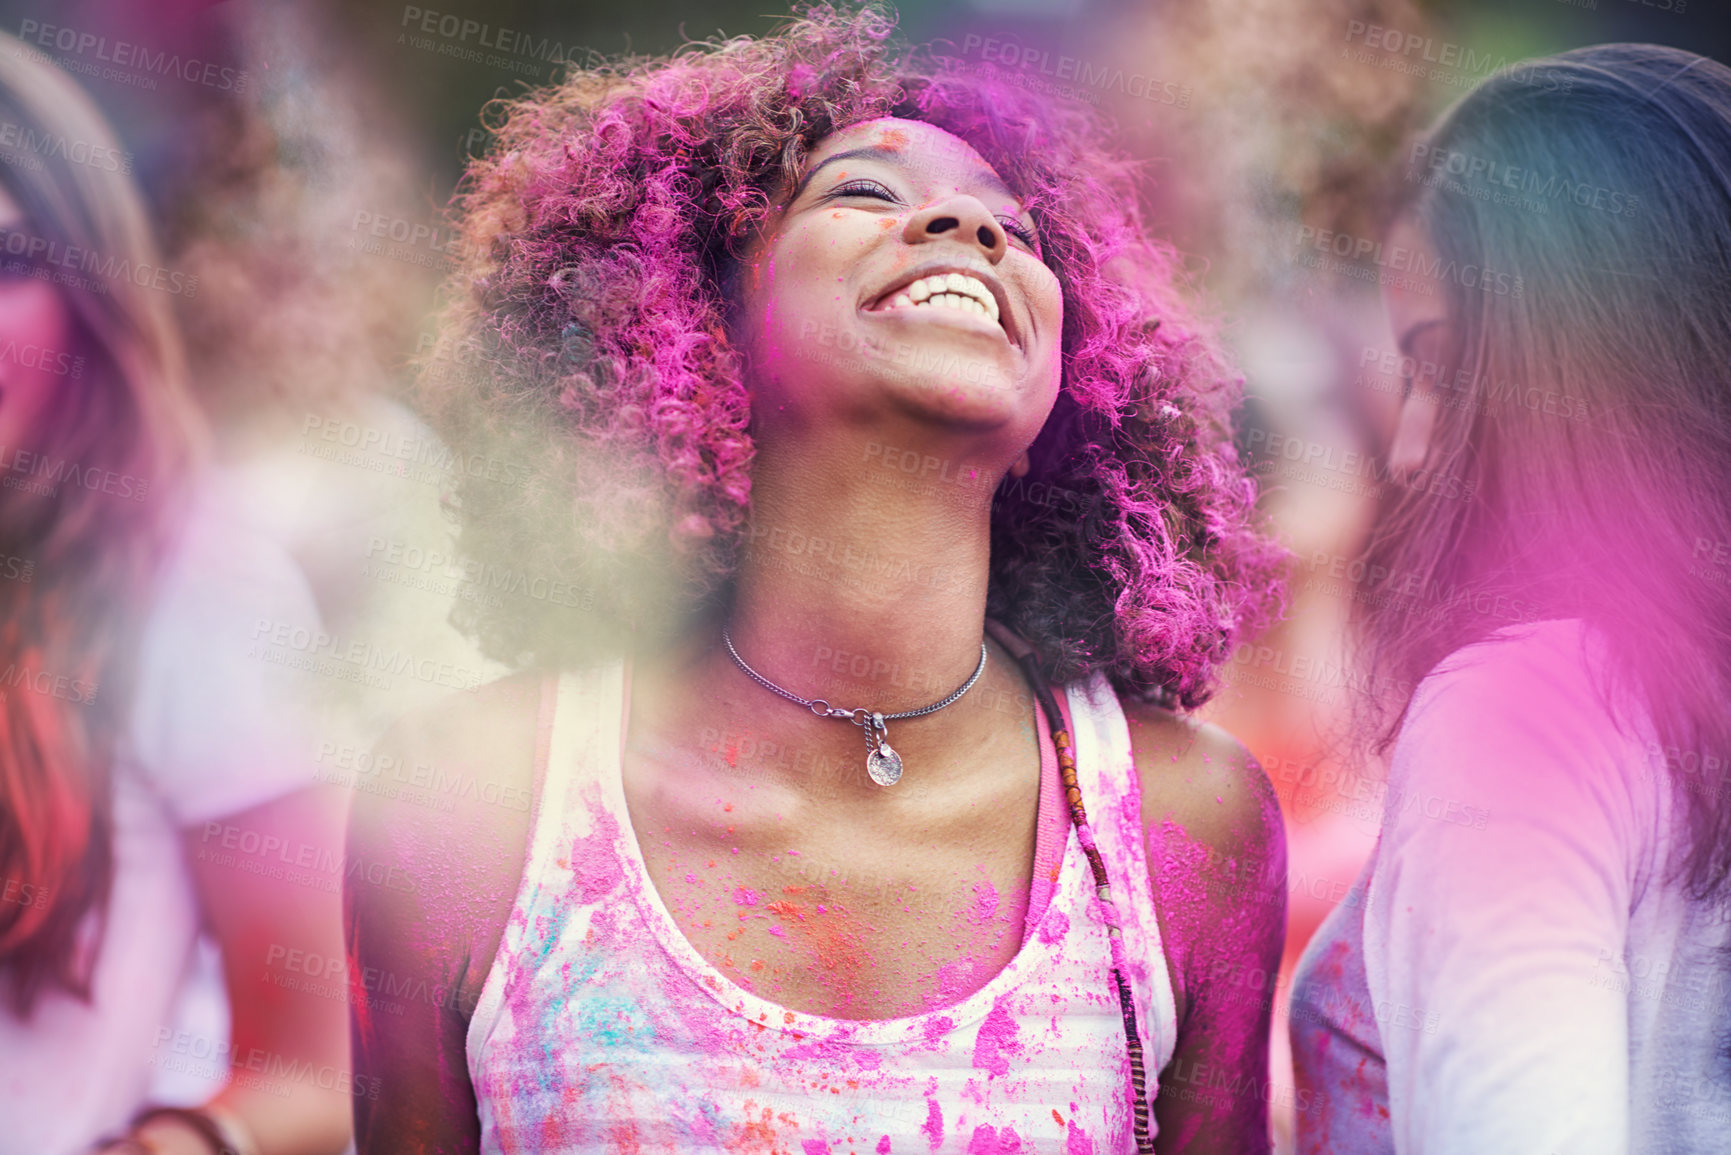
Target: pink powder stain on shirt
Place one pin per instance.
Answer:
(936, 1028)
(884, 1146)
(837, 1053)
(595, 861)
(1054, 926)
(997, 1040)
(745, 896)
(934, 1124)
(1078, 1143)
(988, 1140)
(815, 1147)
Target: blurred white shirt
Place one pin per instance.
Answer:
(215, 729)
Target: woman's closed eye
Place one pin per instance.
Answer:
(861, 187)
(1021, 232)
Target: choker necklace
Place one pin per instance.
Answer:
(882, 763)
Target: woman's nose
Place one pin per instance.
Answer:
(959, 218)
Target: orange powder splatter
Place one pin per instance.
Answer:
(892, 140)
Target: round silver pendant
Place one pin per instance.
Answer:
(884, 765)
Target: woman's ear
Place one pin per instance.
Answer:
(1022, 465)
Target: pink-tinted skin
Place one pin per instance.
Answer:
(1212, 833)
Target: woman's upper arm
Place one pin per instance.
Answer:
(432, 876)
(1217, 856)
(1497, 906)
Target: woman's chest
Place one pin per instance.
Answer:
(858, 928)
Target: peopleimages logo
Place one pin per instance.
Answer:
(102, 157)
(1485, 177)
(1085, 74)
(42, 475)
(135, 57)
(55, 258)
(1399, 259)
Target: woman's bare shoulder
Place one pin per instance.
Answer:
(1197, 777)
(445, 811)
(449, 802)
(1216, 848)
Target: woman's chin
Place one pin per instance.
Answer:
(959, 399)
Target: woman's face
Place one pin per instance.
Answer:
(1420, 324)
(35, 344)
(901, 280)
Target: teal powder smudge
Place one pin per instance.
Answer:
(614, 1022)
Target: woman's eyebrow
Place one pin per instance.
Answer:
(895, 156)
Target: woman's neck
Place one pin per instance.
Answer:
(863, 584)
(865, 576)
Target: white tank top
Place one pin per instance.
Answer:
(601, 1028)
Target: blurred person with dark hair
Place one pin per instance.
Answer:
(711, 309)
(1536, 957)
(153, 770)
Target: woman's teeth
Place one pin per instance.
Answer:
(949, 290)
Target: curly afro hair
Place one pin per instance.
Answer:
(584, 369)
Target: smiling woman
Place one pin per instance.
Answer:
(817, 859)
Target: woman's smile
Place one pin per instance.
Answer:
(957, 294)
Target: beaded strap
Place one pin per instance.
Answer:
(1103, 895)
